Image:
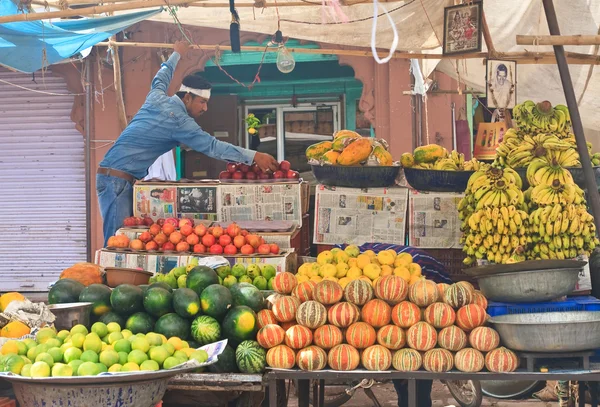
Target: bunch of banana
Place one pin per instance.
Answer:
(566, 159)
(531, 147)
(424, 166)
(541, 172)
(556, 193)
(447, 164)
(475, 165)
(542, 117)
(512, 140)
(458, 158)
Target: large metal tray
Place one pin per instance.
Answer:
(528, 265)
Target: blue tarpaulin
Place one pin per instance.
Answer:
(31, 45)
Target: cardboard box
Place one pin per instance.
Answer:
(165, 262)
(433, 220)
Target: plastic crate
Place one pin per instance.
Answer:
(587, 303)
(452, 259)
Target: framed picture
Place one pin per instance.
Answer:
(501, 84)
(462, 28)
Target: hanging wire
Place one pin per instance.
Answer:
(358, 20)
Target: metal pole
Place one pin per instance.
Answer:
(565, 77)
(88, 166)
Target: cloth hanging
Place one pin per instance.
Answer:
(163, 168)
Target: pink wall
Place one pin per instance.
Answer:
(382, 100)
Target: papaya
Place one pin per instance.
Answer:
(356, 152)
(429, 153)
(340, 143)
(343, 133)
(316, 151)
(384, 158)
(407, 160)
(330, 157)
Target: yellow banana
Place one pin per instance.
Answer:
(500, 226)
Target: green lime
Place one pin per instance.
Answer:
(72, 354)
(100, 329)
(199, 355)
(171, 362)
(63, 335)
(21, 348)
(57, 354)
(115, 336)
(126, 333)
(65, 346)
(88, 369)
(123, 357)
(89, 356)
(179, 354)
(101, 368)
(40, 369)
(79, 329)
(26, 360)
(270, 284)
(45, 357)
(32, 353)
(44, 334)
(122, 345)
(170, 348)
(158, 354)
(140, 344)
(75, 365)
(13, 364)
(113, 327)
(154, 339)
(149, 365)
(130, 367)
(115, 368)
(267, 271)
(78, 339)
(62, 370)
(92, 342)
(184, 345)
(137, 356)
(30, 343)
(26, 370)
(53, 343)
(109, 357)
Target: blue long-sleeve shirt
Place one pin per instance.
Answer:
(161, 124)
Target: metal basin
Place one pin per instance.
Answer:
(507, 389)
(529, 286)
(549, 331)
(70, 314)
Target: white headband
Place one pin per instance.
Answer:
(203, 93)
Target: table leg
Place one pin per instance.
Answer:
(272, 393)
(321, 393)
(303, 393)
(412, 393)
(593, 393)
(581, 395)
(315, 393)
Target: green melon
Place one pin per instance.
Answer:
(226, 362)
(65, 291)
(112, 316)
(158, 301)
(216, 301)
(161, 284)
(171, 325)
(250, 357)
(201, 277)
(206, 330)
(186, 302)
(239, 324)
(140, 323)
(127, 299)
(248, 295)
(99, 296)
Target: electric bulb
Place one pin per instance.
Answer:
(285, 60)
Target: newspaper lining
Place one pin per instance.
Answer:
(434, 222)
(357, 216)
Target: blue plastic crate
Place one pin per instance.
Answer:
(587, 303)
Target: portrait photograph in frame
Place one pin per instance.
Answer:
(501, 84)
(462, 28)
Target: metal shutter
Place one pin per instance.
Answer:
(42, 182)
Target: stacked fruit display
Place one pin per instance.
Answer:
(544, 131)
(494, 217)
(107, 348)
(313, 325)
(560, 225)
(344, 266)
(253, 172)
(183, 236)
(435, 157)
(349, 148)
(259, 275)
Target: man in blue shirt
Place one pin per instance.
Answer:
(162, 123)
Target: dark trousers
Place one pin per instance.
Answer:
(423, 392)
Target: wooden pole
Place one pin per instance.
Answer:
(121, 114)
(565, 77)
(558, 39)
(308, 3)
(487, 36)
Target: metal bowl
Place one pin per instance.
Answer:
(529, 286)
(71, 314)
(356, 176)
(437, 180)
(507, 389)
(570, 331)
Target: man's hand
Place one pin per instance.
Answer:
(181, 47)
(266, 162)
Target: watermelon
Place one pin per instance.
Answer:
(186, 302)
(215, 301)
(201, 277)
(206, 330)
(161, 284)
(157, 301)
(226, 362)
(112, 316)
(240, 324)
(171, 325)
(248, 295)
(99, 296)
(140, 323)
(65, 291)
(250, 357)
(127, 299)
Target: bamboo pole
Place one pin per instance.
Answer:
(121, 114)
(524, 57)
(487, 36)
(201, 3)
(558, 39)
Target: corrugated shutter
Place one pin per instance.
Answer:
(42, 182)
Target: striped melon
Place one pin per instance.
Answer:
(458, 295)
(479, 299)
(440, 315)
(311, 314)
(484, 339)
(391, 336)
(361, 335)
(501, 360)
(285, 307)
(392, 289)
(407, 360)
(452, 338)
(343, 314)
(468, 285)
(270, 336)
(311, 358)
(281, 357)
(265, 317)
(423, 293)
(421, 336)
(438, 360)
(470, 316)
(298, 337)
(376, 313)
(358, 292)
(284, 283)
(303, 291)
(469, 360)
(377, 358)
(206, 330)
(343, 357)
(250, 357)
(442, 287)
(406, 314)
(327, 336)
(327, 292)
